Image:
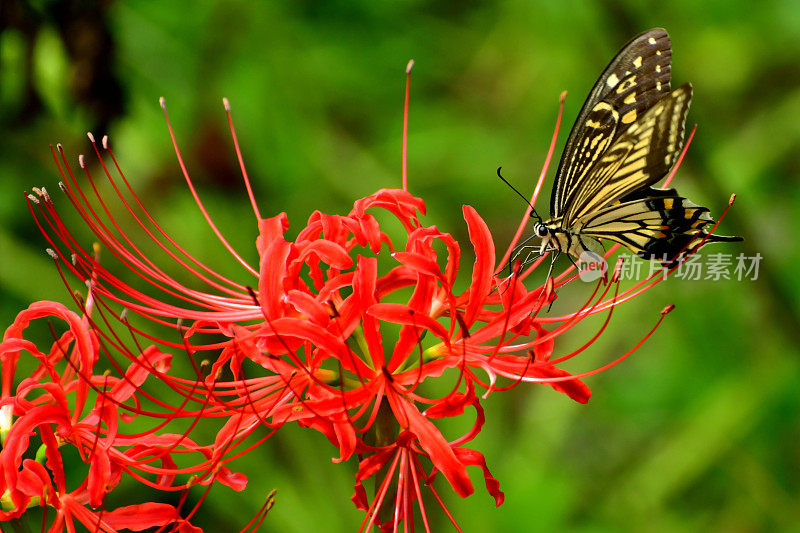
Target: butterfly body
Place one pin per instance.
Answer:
(556, 238)
(627, 137)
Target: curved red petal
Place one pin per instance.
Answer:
(270, 229)
(574, 388)
(403, 314)
(475, 458)
(434, 443)
(329, 252)
(146, 515)
(272, 272)
(483, 271)
(308, 305)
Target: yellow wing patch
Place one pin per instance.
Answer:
(626, 84)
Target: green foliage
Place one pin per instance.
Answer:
(698, 431)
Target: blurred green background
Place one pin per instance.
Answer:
(699, 430)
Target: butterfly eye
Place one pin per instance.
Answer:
(541, 230)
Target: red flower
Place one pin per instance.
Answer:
(65, 404)
(360, 333)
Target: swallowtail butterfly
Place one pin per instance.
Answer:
(626, 138)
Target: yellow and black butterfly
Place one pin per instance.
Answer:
(626, 138)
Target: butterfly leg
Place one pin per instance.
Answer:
(550, 274)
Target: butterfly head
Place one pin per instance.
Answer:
(541, 230)
(548, 236)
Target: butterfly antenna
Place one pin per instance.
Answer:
(533, 209)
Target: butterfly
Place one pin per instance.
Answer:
(628, 135)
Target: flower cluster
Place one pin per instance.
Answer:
(65, 410)
(352, 329)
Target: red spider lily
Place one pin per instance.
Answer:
(65, 404)
(356, 332)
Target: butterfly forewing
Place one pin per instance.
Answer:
(636, 78)
(639, 157)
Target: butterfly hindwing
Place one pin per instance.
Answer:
(637, 77)
(656, 227)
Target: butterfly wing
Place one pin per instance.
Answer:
(660, 226)
(637, 78)
(639, 157)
